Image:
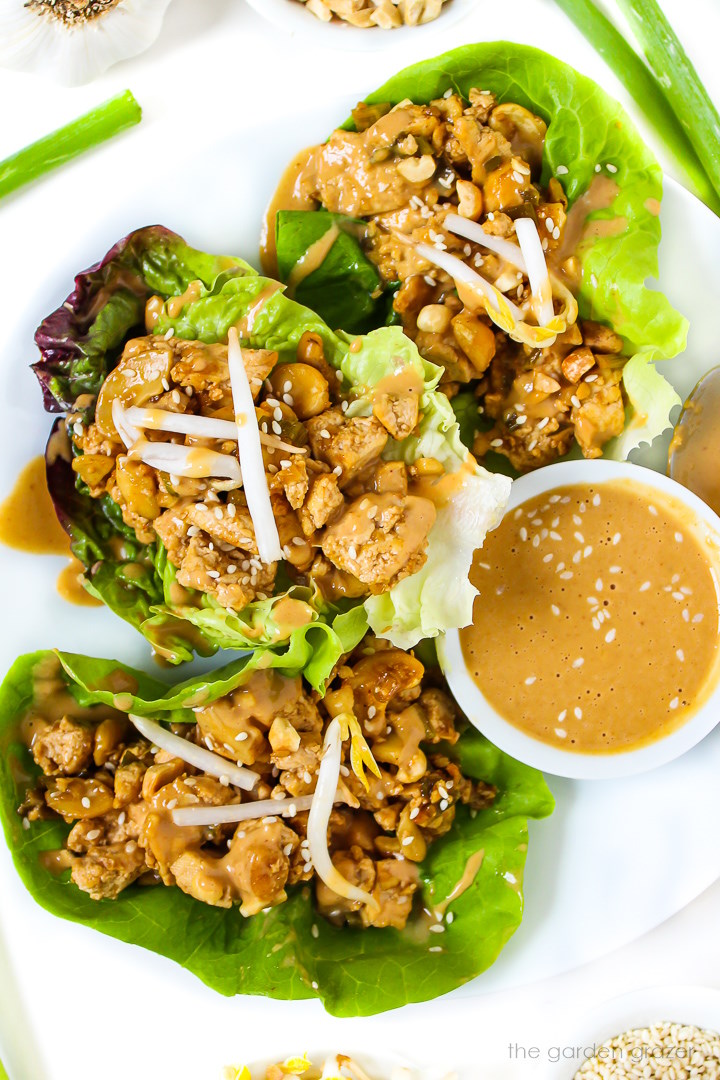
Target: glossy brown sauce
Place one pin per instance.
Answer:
(28, 523)
(596, 627)
(313, 258)
(27, 516)
(600, 195)
(471, 871)
(246, 324)
(694, 451)
(71, 588)
(56, 862)
(289, 614)
(176, 303)
(287, 196)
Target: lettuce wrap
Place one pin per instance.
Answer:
(287, 952)
(81, 343)
(588, 134)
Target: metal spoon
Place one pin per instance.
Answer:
(694, 451)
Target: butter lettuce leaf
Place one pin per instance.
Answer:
(469, 503)
(587, 131)
(288, 952)
(138, 581)
(345, 289)
(438, 596)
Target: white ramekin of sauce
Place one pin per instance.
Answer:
(594, 649)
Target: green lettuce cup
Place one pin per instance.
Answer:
(188, 302)
(472, 873)
(589, 141)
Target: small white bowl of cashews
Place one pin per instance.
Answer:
(362, 25)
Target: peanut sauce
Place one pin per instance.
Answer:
(28, 523)
(695, 445)
(596, 627)
(289, 195)
(314, 257)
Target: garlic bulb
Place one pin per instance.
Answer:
(75, 40)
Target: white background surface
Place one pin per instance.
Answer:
(218, 68)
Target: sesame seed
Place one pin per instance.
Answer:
(680, 655)
(579, 662)
(555, 536)
(599, 585)
(314, 930)
(86, 802)
(556, 233)
(437, 928)
(575, 401)
(530, 680)
(548, 558)
(496, 442)
(698, 618)
(523, 534)
(610, 636)
(414, 813)
(578, 712)
(561, 734)
(93, 834)
(679, 537)
(561, 716)
(566, 575)
(371, 712)
(165, 384)
(579, 537)
(561, 170)
(555, 609)
(213, 574)
(587, 551)
(611, 168)
(616, 539)
(277, 430)
(444, 804)
(686, 615)
(407, 840)
(674, 703)
(171, 804)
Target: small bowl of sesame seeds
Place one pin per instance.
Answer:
(594, 648)
(666, 1033)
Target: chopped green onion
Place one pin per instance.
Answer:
(680, 82)
(645, 90)
(67, 142)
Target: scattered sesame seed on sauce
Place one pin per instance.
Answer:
(601, 637)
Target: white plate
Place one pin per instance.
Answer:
(57, 977)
